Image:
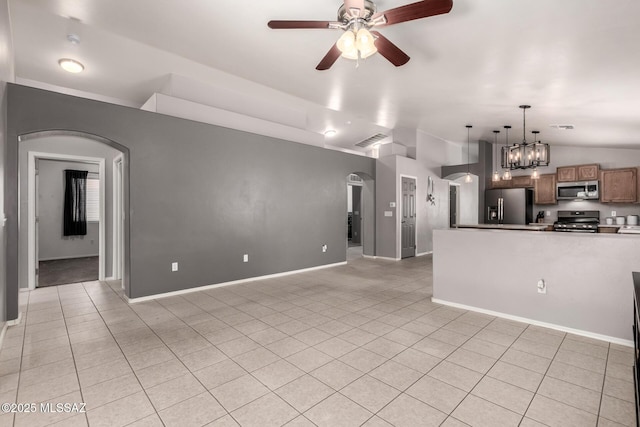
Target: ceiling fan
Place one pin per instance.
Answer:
(356, 18)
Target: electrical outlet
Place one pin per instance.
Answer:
(324, 248)
(548, 213)
(614, 213)
(245, 258)
(542, 287)
(174, 266)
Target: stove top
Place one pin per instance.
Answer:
(577, 221)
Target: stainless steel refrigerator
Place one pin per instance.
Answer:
(508, 206)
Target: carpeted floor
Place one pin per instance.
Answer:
(64, 271)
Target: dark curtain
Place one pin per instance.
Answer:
(75, 203)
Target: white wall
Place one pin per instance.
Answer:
(431, 154)
(52, 243)
(588, 276)
(468, 195)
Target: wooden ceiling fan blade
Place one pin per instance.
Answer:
(389, 50)
(330, 58)
(418, 10)
(287, 25)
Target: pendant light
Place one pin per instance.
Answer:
(506, 175)
(535, 174)
(496, 175)
(525, 155)
(468, 178)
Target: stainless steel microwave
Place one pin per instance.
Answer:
(586, 190)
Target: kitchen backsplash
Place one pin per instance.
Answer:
(584, 205)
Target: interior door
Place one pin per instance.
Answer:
(356, 238)
(408, 225)
(453, 206)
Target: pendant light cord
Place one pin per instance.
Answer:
(468, 148)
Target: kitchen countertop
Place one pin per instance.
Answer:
(609, 225)
(537, 227)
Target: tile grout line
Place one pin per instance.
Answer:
(73, 357)
(171, 350)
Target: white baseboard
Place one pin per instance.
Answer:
(15, 322)
(6, 325)
(600, 337)
(57, 258)
(234, 282)
(3, 332)
(425, 253)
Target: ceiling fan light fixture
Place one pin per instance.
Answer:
(365, 43)
(71, 65)
(347, 42)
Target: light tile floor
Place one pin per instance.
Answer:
(360, 344)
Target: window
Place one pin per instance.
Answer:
(93, 198)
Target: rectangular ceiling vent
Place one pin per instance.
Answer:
(562, 127)
(371, 140)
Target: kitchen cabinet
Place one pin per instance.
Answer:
(545, 190)
(522, 181)
(578, 173)
(501, 184)
(619, 185)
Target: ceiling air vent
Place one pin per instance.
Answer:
(371, 140)
(561, 127)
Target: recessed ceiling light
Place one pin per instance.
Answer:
(71, 65)
(329, 133)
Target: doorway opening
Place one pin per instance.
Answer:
(454, 201)
(60, 258)
(354, 217)
(105, 164)
(64, 258)
(360, 219)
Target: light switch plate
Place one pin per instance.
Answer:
(392, 204)
(174, 266)
(245, 258)
(388, 213)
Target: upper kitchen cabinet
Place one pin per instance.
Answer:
(545, 189)
(578, 173)
(502, 183)
(619, 185)
(521, 181)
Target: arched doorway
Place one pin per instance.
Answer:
(360, 216)
(84, 150)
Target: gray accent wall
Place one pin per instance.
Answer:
(202, 195)
(52, 244)
(6, 75)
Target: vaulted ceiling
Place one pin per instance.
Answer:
(574, 61)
